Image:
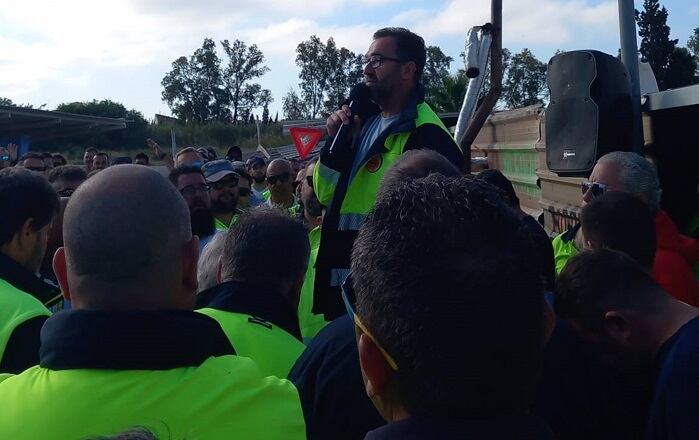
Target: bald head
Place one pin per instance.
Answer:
(126, 231)
(278, 167)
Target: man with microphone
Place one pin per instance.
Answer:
(382, 118)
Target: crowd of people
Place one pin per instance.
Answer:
(374, 291)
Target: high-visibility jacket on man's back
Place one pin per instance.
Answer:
(171, 372)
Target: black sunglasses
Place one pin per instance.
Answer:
(66, 192)
(597, 189)
(309, 181)
(282, 178)
(243, 192)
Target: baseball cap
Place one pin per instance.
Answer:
(254, 161)
(217, 170)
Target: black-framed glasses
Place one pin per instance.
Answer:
(597, 189)
(243, 192)
(231, 182)
(190, 190)
(375, 61)
(349, 298)
(66, 192)
(282, 178)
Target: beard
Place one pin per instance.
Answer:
(202, 222)
(224, 205)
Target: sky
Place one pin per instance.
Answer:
(77, 50)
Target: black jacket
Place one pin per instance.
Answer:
(336, 245)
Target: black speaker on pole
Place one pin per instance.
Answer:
(589, 113)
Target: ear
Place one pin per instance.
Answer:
(409, 70)
(617, 327)
(60, 268)
(377, 373)
(190, 260)
(26, 232)
(592, 244)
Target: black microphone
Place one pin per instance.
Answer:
(359, 97)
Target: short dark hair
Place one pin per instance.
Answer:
(31, 155)
(142, 156)
(414, 164)
(623, 222)
(242, 172)
(502, 183)
(67, 172)
(187, 150)
(47, 155)
(101, 153)
(181, 170)
(61, 157)
(594, 282)
(409, 46)
(91, 150)
(24, 195)
(440, 259)
(259, 235)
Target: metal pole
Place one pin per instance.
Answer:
(491, 98)
(629, 56)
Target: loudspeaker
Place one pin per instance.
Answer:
(589, 113)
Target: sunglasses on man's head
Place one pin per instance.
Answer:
(349, 298)
(597, 189)
(282, 178)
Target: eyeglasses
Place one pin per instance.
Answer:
(309, 181)
(282, 178)
(349, 298)
(66, 192)
(243, 192)
(189, 191)
(597, 188)
(375, 61)
(231, 182)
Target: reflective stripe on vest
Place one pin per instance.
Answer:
(309, 322)
(273, 349)
(327, 179)
(16, 307)
(350, 222)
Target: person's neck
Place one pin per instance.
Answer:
(288, 203)
(11, 251)
(395, 103)
(665, 325)
(259, 187)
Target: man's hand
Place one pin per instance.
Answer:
(340, 117)
(12, 149)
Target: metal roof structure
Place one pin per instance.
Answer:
(42, 124)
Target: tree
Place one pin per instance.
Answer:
(683, 69)
(276, 117)
(525, 83)
(194, 88)
(345, 72)
(450, 96)
(294, 107)
(311, 57)
(244, 64)
(672, 67)
(436, 71)
(693, 46)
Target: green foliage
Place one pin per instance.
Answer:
(327, 73)
(244, 65)
(525, 82)
(672, 67)
(449, 97)
(194, 88)
(436, 72)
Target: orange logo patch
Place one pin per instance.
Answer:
(374, 163)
